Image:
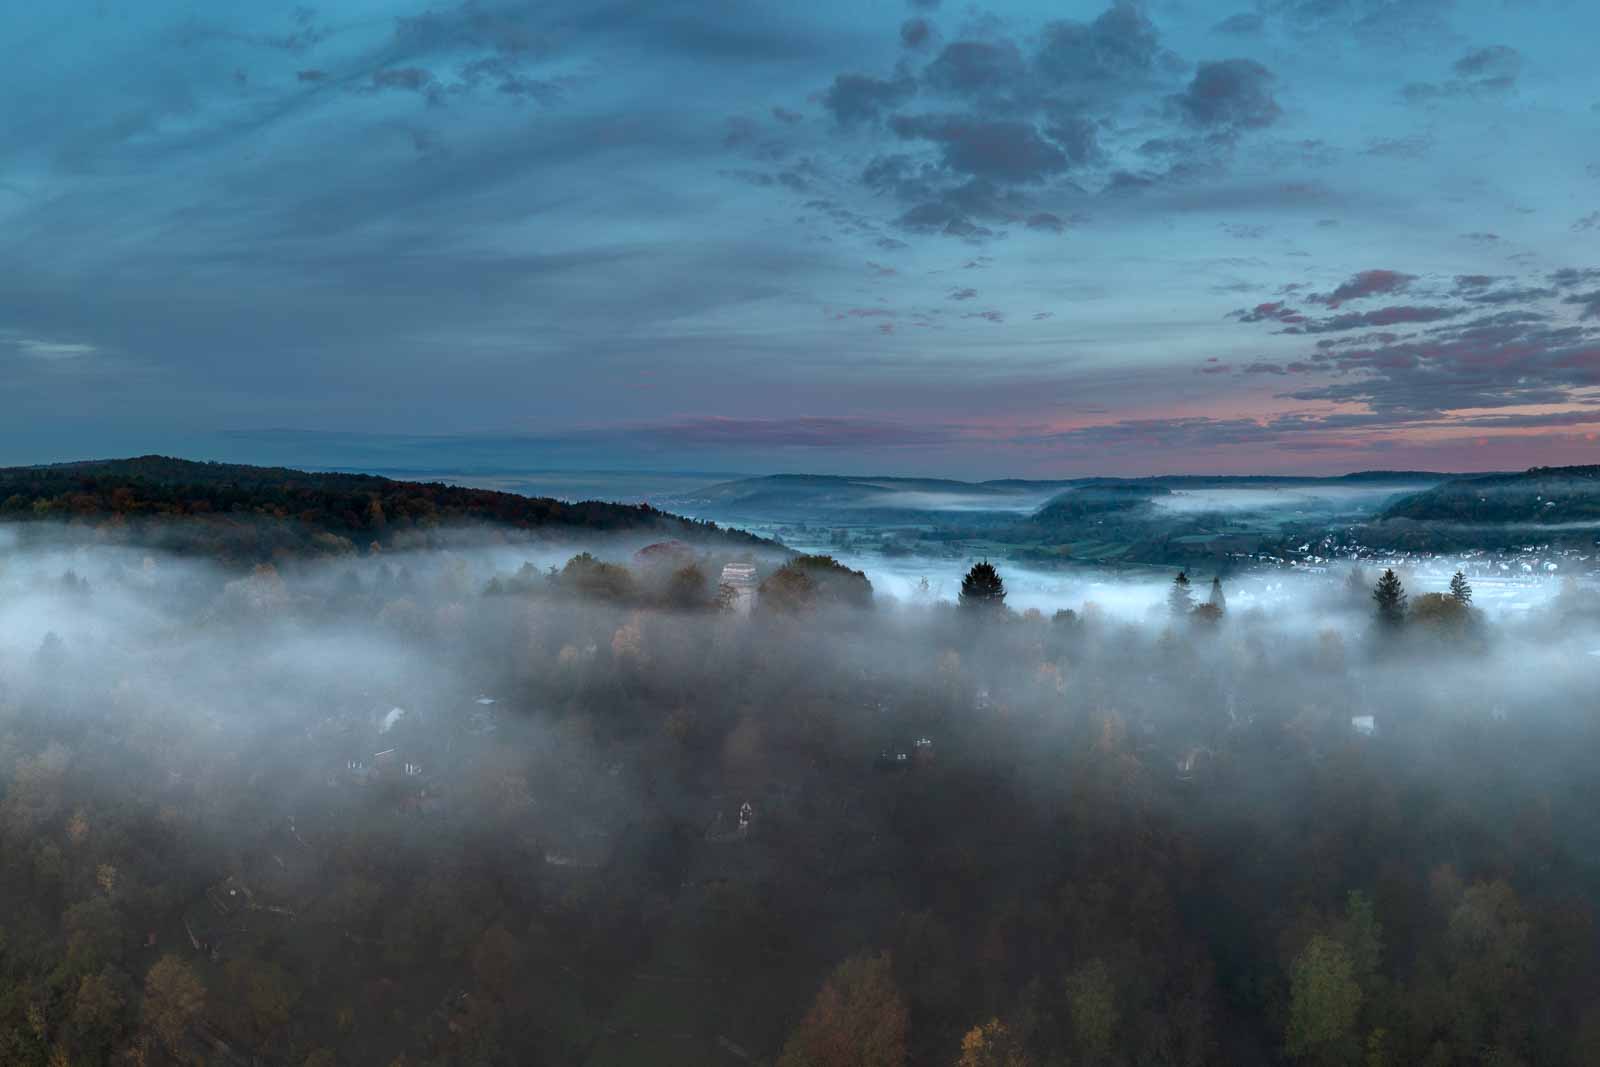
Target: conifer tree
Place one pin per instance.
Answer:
(982, 589)
(1180, 599)
(1460, 588)
(1390, 596)
(1218, 600)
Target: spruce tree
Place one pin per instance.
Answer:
(1218, 600)
(1390, 596)
(1460, 588)
(982, 588)
(1180, 600)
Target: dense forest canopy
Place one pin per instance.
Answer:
(464, 806)
(1543, 495)
(247, 513)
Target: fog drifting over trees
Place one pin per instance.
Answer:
(486, 805)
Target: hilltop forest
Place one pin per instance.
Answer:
(236, 513)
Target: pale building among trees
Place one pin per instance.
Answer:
(738, 585)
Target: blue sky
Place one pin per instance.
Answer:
(977, 240)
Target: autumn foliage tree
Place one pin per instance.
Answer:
(173, 999)
(859, 1019)
(1324, 1004)
(992, 1044)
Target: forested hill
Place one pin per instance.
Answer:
(1540, 495)
(244, 513)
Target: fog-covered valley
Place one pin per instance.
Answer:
(588, 801)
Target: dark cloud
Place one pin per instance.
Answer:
(1044, 220)
(310, 75)
(1591, 221)
(962, 294)
(1481, 237)
(1262, 367)
(915, 33)
(1126, 183)
(988, 316)
(1490, 70)
(857, 98)
(1493, 363)
(1590, 302)
(1388, 316)
(1494, 67)
(509, 81)
(976, 67)
(899, 175)
(1567, 277)
(962, 209)
(1244, 23)
(1229, 93)
(1007, 150)
(938, 216)
(1122, 44)
(1459, 358)
(795, 179)
(785, 116)
(1367, 283)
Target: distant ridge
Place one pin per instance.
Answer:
(1538, 495)
(239, 512)
(795, 492)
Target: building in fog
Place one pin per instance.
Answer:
(738, 586)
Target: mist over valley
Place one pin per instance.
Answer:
(448, 792)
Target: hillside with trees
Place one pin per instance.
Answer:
(1551, 505)
(251, 514)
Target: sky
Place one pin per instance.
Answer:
(986, 240)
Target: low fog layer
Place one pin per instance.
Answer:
(1139, 594)
(486, 806)
(1286, 498)
(1018, 502)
